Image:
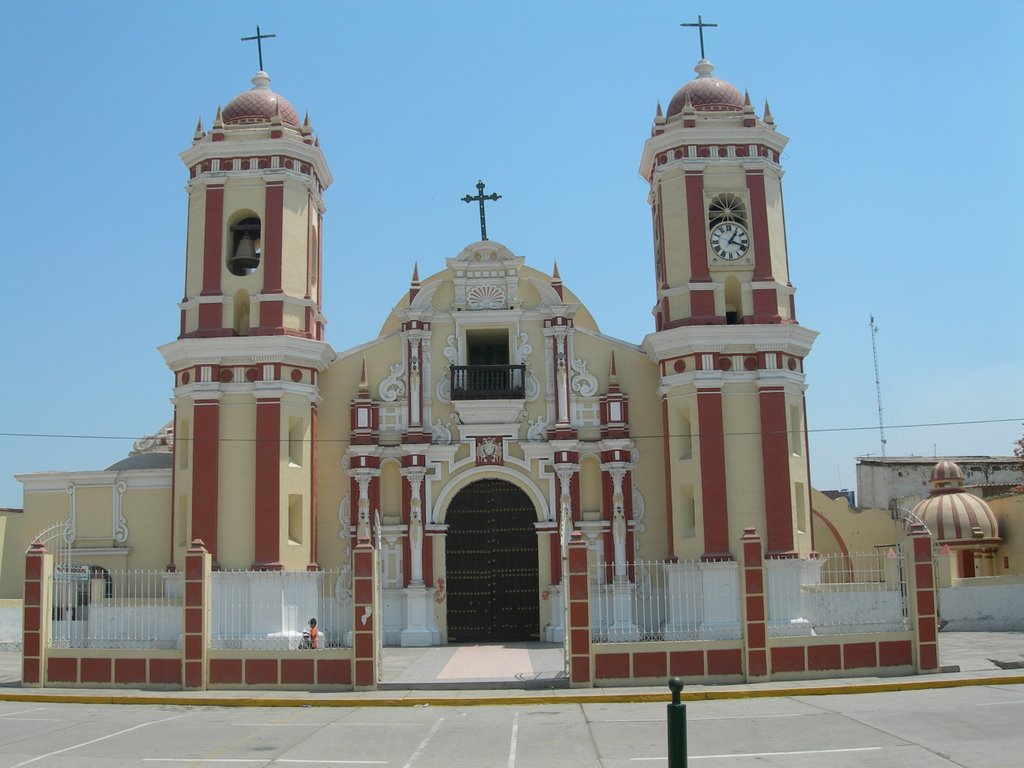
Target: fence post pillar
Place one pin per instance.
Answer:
(366, 617)
(922, 605)
(577, 636)
(198, 564)
(35, 627)
(755, 636)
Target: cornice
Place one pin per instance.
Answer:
(242, 350)
(693, 339)
(210, 150)
(677, 136)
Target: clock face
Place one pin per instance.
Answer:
(730, 241)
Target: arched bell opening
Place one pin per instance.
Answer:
(491, 564)
(246, 246)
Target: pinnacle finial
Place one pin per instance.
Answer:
(364, 386)
(554, 271)
(218, 120)
(416, 273)
(658, 112)
(199, 129)
(768, 114)
(613, 374)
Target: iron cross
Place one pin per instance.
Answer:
(480, 197)
(259, 43)
(700, 28)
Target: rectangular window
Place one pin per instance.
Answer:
(295, 518)
(796, 432)
(296, 437)
(801, 508)
(182, 444)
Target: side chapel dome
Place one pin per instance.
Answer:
(259, 105)
(707, 93)
(953, 515)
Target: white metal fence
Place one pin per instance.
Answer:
(95, 608)
(271, 609)
(841, 593)
(688, 600)
(695, 600)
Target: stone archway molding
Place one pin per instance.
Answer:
(460, 481)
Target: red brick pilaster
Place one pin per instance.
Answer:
(775, 451)
(714, 501)
(922, 598)
(755, 629)
(36, 615)
(578, 631)
(205, 472)
(267, 523)
(198, 564)
(366, 619)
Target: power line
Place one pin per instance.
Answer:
(55, 436)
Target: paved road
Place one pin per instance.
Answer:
(975, 727)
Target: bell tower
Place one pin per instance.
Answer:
(250, 347)
(727, 340)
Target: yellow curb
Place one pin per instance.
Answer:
(570, 698)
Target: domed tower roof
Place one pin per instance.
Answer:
(707, 93)
(953, 515)
(259, 105)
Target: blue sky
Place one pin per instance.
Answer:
(903, 188)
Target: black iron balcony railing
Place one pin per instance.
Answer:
(488, 382)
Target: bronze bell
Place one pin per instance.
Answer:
(245, 258)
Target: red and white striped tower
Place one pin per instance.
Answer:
(727, 341)
(250, 348)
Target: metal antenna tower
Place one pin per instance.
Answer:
(878, 382)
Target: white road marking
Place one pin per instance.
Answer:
(422, 746)
(999, 703)
(766, 754)
(260, 760)
(278, 725)
(101, 738)
(22, 712)
(512, 747)
(729, 717)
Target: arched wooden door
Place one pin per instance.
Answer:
(491, 564)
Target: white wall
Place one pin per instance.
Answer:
(983, 605)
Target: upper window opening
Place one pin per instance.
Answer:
(246, 246)
(727, 207)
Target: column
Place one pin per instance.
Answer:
(921, 596)
(580, 674)
(755, 634)
(198, 564)
(366, 619)
(35, 616)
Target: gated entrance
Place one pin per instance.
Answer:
(491, 564)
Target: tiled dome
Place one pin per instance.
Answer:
(707, 93)
(259, 105)
(953, 515)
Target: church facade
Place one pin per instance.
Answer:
(490, 416)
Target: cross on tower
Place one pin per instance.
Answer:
(700, 28)
(259, 43)
(480, 197)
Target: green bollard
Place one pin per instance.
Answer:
(676, 726)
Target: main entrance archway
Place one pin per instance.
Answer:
(491, 564)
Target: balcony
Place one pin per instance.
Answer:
(488, 382)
